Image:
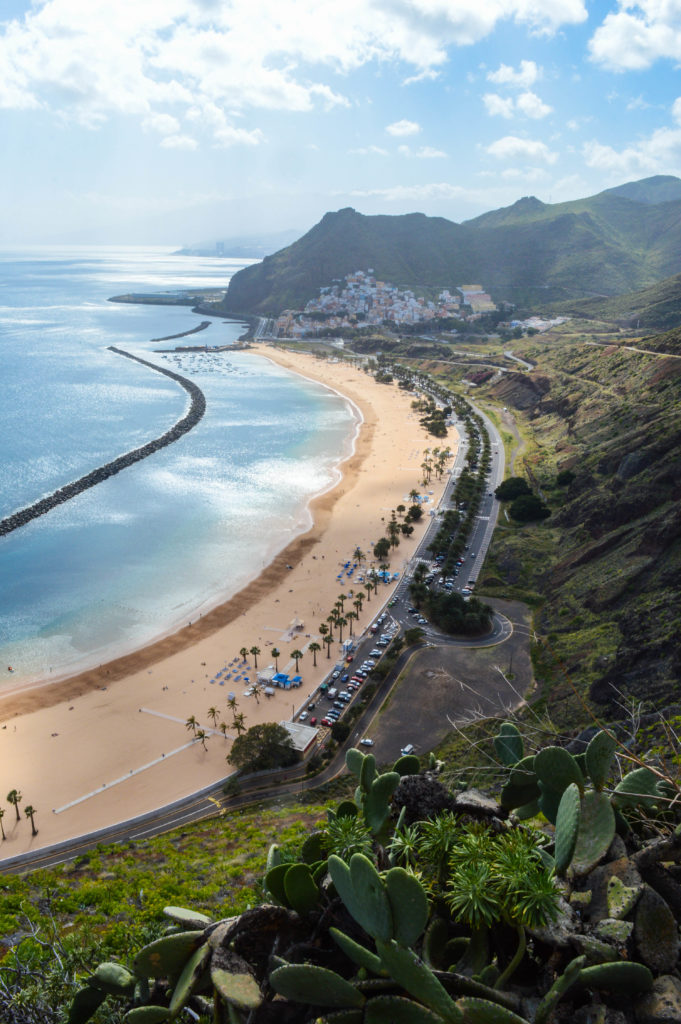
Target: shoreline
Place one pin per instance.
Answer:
(111, 742)
(23, 698)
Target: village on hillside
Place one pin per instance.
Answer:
(362, 301)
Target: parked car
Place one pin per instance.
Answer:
(311, 706)
(303, 717)
(408, 749)
(313, 721)
(366, 742)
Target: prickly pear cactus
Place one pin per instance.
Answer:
(567, 828)
(596, 832)
(508, 744)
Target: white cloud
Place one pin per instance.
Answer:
(179, 142)
(498, 106)
(164, 124)
(529, 104)
(659, 153)
(398, 193)
(370, 151)
(638, 34)
(88, 60)
(403, 127)
(526, 75)
(512, 148)
(429, 153)
(429, 75)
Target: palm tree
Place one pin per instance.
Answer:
(239, 723)
(213, 714)
(192, 724)
(341, 600)
(358, 555)
(349, 617)
(368, 586)
(413, 494)
(255, 651)
(244, 653)
(13, 797)
(2, 827)
(223, 729)
(276, 655)
(328, 640)
(255, 687)
(340, 622)
(232, 703)
(296, 655)
(201, 735)
(29, 811)
(314, 647)
(358, 602)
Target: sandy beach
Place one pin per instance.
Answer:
(112, 742)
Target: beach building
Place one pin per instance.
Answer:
(303, 736)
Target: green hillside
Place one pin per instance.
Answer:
(657, 307)
(529, 253)
(607, 564)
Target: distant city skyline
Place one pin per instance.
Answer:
(176, 121)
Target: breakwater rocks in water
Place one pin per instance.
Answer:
(196, 410)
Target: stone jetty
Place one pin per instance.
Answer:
(196, 410)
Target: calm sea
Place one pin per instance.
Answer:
(145, 551)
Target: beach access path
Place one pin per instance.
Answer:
(84, 753)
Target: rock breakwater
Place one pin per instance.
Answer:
(195, 412)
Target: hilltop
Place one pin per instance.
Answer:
(530, 253)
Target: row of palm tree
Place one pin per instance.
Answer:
(14, 797)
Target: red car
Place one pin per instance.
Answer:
(313, 721)
(350, 658)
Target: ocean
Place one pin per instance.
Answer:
(147, 550)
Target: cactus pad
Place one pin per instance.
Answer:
(376, 915)
(557, 769)
(306, 983)
(637, 788)
(417, 979)
(620, 976)
(300, 888)
(599, 755)
(167, 956)
(481, 1011)
(398, 1010)
(567, 827)
(409, 905)
(147, 1015)
(188, 919)
(85, 1003)
(596, 832)
(508, 744)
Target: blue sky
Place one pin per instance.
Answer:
(172, 121)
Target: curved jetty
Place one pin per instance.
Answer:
(96, 476)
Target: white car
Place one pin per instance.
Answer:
(366, 742)
(303, 716)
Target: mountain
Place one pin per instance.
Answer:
(654, 308)
(529, 253)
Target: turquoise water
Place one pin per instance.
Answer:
(150, 548)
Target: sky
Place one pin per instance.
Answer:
(178, 121)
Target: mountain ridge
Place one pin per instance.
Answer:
(528, 253)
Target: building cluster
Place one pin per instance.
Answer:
(362, 301)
